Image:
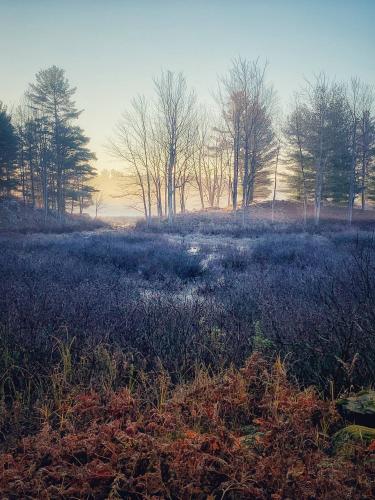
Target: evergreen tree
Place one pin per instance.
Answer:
(337, 175)
(318, 132)
(8, 154)
(300, 175)
(78, 170)
(51, 101)
(366, 157)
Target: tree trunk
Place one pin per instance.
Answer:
(170, 186)
(275, 183)
(235, 171)
(363, 183)
(304, 187)
(352, 174)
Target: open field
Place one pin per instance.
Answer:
(116, 336)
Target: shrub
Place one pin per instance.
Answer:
(147, 296)
(16, 218)
(301, 249)
(191, 441)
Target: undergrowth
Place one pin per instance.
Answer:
(242, 433)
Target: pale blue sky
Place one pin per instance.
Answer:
(112, 49)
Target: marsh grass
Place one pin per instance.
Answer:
(119, 328)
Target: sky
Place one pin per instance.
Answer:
(111, 50)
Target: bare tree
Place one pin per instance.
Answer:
(231, 103)
(184, 168)
(98, 200)
(158, 162)
(210, 162)
(275, 178)
(248, 105)
(132, 145)
(176, 113)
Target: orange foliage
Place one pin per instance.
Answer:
(194, 445)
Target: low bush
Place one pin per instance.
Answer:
(301, 249)
(185, 302)
(246, 433)
(17, 218)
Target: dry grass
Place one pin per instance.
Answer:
(120, 356)
(16, 218)
(257, 221)
(247, 433)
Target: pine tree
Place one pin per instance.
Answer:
(366, 157)
(51, 101)
(337, 175)
(78, 170)
(318, 132)
(8, 154)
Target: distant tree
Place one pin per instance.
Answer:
(176, 107)
(8, 154)
(210, 162)
(98, 200)
(248, 105)
(20, 176)
(275, 178)
(318, 134)
(158, 159)
(337, 175)
(35, 157)
(50, 99)
(353, 107)
(366, 144)
(170, 148)
(317, 112)
(231, 102)
(184, 167)
(43, 155)
(132, 145)
(78, 170)
(300, 175)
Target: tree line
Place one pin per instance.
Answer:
(172, 147)
(44, 154)
(230, 155)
